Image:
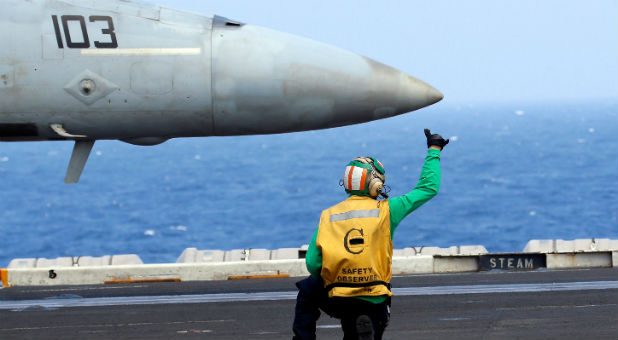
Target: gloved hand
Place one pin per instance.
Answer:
(435, 139)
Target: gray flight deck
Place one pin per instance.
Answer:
(541, 304)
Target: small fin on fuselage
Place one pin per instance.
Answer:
(81, 152)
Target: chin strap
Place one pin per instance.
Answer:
(385, 191)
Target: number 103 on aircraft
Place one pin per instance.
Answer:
(76, 31)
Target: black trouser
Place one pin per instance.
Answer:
(312, 297)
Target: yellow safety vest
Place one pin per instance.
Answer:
(354, 238)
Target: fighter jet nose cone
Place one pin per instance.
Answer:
(398, 91)
(269, 82)
(416, 94)
(434, 95)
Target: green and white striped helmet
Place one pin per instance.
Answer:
(364, 176)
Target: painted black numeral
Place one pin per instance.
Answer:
(57, 30)
(74, 42)
(85, 43)
(109, 31)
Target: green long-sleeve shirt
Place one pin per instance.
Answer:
(400, 207)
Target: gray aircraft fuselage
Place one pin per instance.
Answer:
(88, 70)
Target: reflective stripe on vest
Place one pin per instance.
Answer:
(355, 214)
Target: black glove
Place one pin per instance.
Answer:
(435, 139)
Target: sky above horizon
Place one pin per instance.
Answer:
(474, 51)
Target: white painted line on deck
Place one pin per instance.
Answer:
(505, 288)
(291, 295)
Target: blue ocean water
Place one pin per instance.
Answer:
(511, 173)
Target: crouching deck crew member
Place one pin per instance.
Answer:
(350, 255)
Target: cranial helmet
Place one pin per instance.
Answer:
(364, 176)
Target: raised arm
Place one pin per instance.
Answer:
(427, 186)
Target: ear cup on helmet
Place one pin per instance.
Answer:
(375, 187)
